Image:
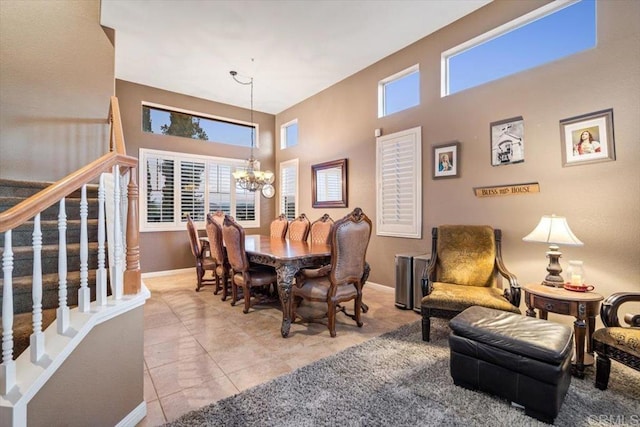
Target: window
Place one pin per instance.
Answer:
(399, 184)
(289, 188)
(399, 92)
(556, 30)
(176, 184)
(289, 134)
(172, 121)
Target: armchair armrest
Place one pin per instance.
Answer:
(311, 273)
(513, 293)
(611, 304)
(428, 276)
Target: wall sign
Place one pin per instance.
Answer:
(507, 190)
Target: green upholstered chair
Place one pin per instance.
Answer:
(465, 269)
(614, 341)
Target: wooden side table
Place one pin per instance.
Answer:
(584, 306)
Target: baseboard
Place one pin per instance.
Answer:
(379, 286)
(135, 416)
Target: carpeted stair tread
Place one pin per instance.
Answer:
(23, 328)
(10, 187)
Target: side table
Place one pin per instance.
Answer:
(584, 306)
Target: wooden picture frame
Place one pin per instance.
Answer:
(446, 160)
(588, 138)
(329, 184)
(507, 141)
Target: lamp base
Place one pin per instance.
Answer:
(554, 278)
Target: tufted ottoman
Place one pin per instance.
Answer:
(522, 359)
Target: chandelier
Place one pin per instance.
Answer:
(250, 177)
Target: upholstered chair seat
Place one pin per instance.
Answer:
(465, 270)
(614, 341)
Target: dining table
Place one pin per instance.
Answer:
(288, 257)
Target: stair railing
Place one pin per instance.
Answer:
(126, 279)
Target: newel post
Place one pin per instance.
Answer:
(132, 273)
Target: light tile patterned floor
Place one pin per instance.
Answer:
(199, 349)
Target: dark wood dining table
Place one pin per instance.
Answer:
(287, 257)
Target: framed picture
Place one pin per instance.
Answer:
(507, 141)
(587, 138)
(329, 184)
(446, 160)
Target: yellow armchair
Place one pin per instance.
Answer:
(465, 269)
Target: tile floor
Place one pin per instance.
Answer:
(198, 349)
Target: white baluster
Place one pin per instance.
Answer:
(101, 274)
(118, 250)
(8, 366)
(62, 314)
(36, 340)
(84, 295)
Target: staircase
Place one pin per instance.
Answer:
(12, 193)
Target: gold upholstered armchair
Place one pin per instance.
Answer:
(465, 269)
(614, 341)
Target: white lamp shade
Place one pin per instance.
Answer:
(554, 230)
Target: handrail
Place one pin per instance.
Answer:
(27, 209)
(117, 134)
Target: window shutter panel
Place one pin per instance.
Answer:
(160, 189)
(192, 183)
(399, 179)
(288, 190)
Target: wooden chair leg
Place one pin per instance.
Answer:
(426, 324)
(247, 299)
(603, 369)
(224, 279)
(357, 308)
(331, 323)
(200, 275)
(234, 293)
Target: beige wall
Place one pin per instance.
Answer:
(170, 250)
(100, 383)
(56, 77)
(601, 201)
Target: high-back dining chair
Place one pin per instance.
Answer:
(299, 228)
(203, 262)
(218, 216)
(244, 274)
(321, 229)
(278, 227)
(341, 280)
(219, 255)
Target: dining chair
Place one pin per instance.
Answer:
(219, 255)
(299, 228)
(244, 274)
(341, 280)
(278, 227)
(321, 229)
(199, 251)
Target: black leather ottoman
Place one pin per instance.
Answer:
(522, 359)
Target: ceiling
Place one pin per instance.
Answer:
(293, 49)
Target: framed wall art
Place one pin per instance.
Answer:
(507, 141)
(446, 160)
(588, 138)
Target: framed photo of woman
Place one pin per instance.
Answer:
(587, 138)
(446, 160)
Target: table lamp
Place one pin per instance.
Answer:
(555, 231)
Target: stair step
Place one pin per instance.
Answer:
(23, 328)
(72, 207)
(23, 258)
(23, 285)
(24, 189)
(23, 234)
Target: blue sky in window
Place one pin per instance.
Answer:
(217, 131)
(292, 134)
(562, 33)
(402, 93)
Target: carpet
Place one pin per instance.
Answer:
(399, 380)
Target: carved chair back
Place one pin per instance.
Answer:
(321, 229)
(278, 227)
(299, 228)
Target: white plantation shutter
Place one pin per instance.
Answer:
(399, 184)
(176, 184)
(289, 188)
(192, 184)
(220, 187)
(160, 193)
